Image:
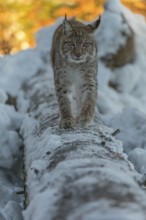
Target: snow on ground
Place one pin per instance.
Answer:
(15, 69)
(10, 154)
(125, 110)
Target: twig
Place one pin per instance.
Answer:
(116, 132)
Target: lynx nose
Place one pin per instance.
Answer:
(78, 55)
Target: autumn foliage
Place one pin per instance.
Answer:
(20, 19)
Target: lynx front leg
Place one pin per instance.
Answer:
(89, 96)
(64, 99)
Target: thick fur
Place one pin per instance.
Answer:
(74, 62)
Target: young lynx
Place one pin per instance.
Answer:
(74, 58)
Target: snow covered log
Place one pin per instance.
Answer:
(77, 174)
(80, 173)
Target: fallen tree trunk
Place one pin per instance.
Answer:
(79, 174)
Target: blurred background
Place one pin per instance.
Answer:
(20, 19)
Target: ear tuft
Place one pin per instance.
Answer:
(93, 26)
(65, 17)
(66, 25)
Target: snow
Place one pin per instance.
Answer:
(3, 96)
(44, 37)
(130, 122)
(137, 156)
(124, 109)
(10, 141)
(16, 69)
(44, 204)
(113, 5)
(106, 32)
(10, 146)
(102, 208)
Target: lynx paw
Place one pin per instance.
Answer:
(85, 121)
(67, 123)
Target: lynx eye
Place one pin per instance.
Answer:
(86, 44)
(66, 42)
(72, 45)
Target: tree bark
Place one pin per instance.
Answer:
(75, 174)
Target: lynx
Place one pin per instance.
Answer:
(74, 62)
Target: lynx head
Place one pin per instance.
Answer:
(78, 42)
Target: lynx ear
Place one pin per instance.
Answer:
(67, 26)
(93, 26)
